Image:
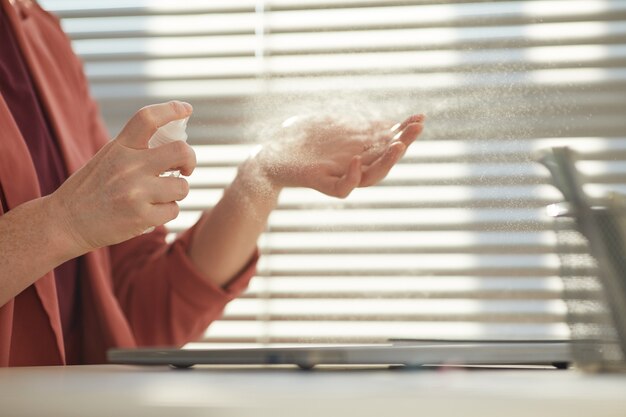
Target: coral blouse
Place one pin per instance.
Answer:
(138, 293)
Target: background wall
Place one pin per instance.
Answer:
(455, 242)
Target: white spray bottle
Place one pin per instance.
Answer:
(170, 132)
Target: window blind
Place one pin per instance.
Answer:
(455, 243)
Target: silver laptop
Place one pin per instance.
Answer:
(407, 353)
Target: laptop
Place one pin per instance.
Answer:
(412, 353)
(407, 352)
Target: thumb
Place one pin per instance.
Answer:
(147, 120)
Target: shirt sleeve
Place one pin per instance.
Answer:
(165, 298)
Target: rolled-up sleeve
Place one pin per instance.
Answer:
(165, 298)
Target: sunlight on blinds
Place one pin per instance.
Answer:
(455, 243)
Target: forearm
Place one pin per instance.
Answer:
(226, 236)
(32, 243)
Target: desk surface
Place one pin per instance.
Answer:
(118, 391)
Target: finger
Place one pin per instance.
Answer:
(172, 156)
(147, 120)
(381, 167)
(167, 189)
(163, 213)
(416, 118)
(409, 134)
(344, 185)
(377, 147)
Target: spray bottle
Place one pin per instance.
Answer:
(170, 132)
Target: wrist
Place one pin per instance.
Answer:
(258, 176)
(61, 229)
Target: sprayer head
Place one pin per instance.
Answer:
(170, 132)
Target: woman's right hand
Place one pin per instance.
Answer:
(119, 194)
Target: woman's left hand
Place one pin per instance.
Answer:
(334, 157)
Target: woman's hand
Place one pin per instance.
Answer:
(335, 157)
(119, 194)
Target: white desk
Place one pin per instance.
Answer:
(118, 391)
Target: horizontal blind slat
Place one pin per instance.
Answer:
(447, 151)
(354, 332)
(136, 49)
(441, 287)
